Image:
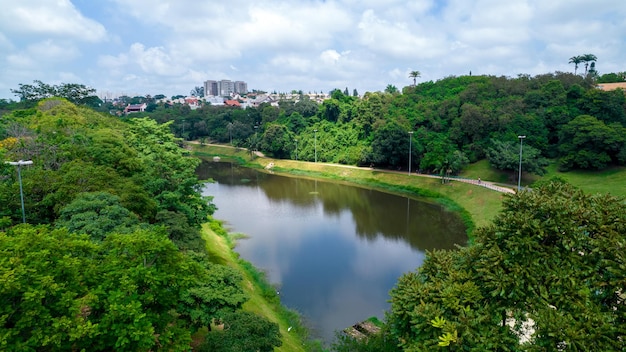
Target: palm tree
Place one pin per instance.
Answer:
(414, 75)
(587, 58)
(391, 89)
(575, 60)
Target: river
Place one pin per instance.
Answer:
(333, 250)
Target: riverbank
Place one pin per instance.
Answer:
(263, 298)
(477, 205)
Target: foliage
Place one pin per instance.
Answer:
(506, 156)
(75, 93)
(243, 332)
(553, 260)
(64, 292)
(587, 142)
(97, 214)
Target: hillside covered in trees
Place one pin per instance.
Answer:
(455, 120)
(111, 257)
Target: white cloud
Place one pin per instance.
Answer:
(310, 45)
(49, 17)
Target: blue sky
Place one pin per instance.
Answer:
(139, 47)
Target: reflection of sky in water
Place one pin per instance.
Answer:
(322, 268)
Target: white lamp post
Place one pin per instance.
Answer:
(19, 165)
(410, 151)
(296, 150)
(519, 177)
(315, 134)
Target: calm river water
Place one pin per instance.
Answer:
(333, 250)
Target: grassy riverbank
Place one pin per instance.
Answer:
(263, 298)
(477, 205)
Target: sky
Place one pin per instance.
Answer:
(140, 47)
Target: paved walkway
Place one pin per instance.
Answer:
(479, 183)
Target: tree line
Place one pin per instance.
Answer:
(455, 120)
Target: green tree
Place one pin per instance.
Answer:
(587, 58)
(243, 332)
(414, 75)
(277, 141)
(391, 89)
(390, 146)
(554, 260)
(97, 214)
(588, 143)
(505, 156)
(576, 60)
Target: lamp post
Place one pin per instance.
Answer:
(315, 138)
(19, 165)
(183, 129)
(296, 150)
(519, 177)
(256, 140)
(410, 149)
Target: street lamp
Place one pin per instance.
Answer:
(256, 138)
(410, 145)
(315, 134)
(183, 129)
(19, 165)
(296, 150)
(519, 177)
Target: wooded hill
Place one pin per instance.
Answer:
(111, 257)
(455, 120)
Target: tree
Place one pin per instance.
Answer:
(554, 260)
(277, 140)
(414, 75)
(587, 58)
(65, 292)
(391, 89)
(505, 156)
(97, 214)
(243, 332)
(75, 93)
(390, 146)
(197, 92)
(355, 93)
(576, 60)
(588, 143)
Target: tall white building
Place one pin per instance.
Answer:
(224, 88)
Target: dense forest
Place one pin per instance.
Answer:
(111, 256)
(455, 120)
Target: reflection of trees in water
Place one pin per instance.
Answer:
(423, 225)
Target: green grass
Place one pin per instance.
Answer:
(611, 181)
(263, 299)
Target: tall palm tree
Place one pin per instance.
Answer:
(575, 60)
(414, 75)
(587, 58)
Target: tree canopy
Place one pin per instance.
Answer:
(547, 275)
(112, 257)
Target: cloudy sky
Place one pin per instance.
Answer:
(139, 47)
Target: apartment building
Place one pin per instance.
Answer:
(224, 88)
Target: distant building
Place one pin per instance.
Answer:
(224, 88)
(135, 108)
(612, 86)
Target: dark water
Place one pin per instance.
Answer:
(333, 250)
